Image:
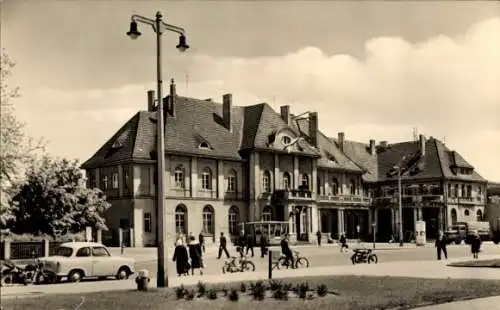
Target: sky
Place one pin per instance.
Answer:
(374, 70)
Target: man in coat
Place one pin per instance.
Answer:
(287, 251)
(250, 243)
(441, 243)
(223, 246)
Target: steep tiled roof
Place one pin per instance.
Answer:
(360, 153)
(331, 156)
(493, 189)
(446, 156)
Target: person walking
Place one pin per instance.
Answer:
(223, 246)
(263, 245)
(343, 243)
(475, 244)
(201, 239)
(441, 243)
(241, 243)
(318, 236)
(181, 258)
(250, 243)
(287, 251)
(195, 255)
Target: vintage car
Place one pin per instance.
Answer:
(78, 260)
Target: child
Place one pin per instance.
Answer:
(343, 243)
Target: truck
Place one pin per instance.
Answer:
(492, 215)
(462, 231)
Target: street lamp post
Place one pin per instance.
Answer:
(159, 26)
(400, 205)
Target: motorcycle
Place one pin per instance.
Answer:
(364, 256)
(235, 265)
(31, 273)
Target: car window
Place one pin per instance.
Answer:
(99, 251)
(64, 251)
(83, 252)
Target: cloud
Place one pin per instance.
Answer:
(447, 87)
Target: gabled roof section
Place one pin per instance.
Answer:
(414, 166)
(360, 153)
(331, 156)
(446, 156)
(458, 161)
(119, 147)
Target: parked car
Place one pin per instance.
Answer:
(78, 260)
(462, 231)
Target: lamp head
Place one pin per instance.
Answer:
(182, 46)
(133, 32)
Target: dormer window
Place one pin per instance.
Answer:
(204, 145)
(286, 140)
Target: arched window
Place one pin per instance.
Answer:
(234, 219)
(318, 185)
(286, 180)
(335, 187)
(266, 182)
(231, 181)
(180, 219)
(208, 220)
(466, 212)
(453, 216)
(179, 176)
(352, 187)
(305, 180)
(267, 213)
(479, 216)
(464, 193)
(206, 179)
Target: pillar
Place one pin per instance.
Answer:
(257, 181)
(194, 176)
(99, 236)
(296, 177)
(6, 249)
(220, 180)
(393, 220)
(46, 247)
(314, 187)
(340, 221)
(440, 218)
(370, 221)
(419, 212)
(375, 219)
(277, 183)
(415, 216)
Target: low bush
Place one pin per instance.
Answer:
(212, 294)
(190, 295)
(234, 295)
(202, 289)
(259, 291)
(225, 291)
(180, 292)
(243, 288)
(322, 290)
(275, 285)
(302, 290)
(280, 294)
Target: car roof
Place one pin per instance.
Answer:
(80, 244)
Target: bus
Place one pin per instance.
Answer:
(273, 229)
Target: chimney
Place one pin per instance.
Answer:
(227, 103)
(151, 100)
(285, 114)
(341, 136)
(172, 96)
(313, 128)
(372, 147)
(422, 145)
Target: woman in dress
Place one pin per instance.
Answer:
(196, 255)
(475, 244)
(181, 258)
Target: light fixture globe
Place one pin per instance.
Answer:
(133, 33)
(182, 46)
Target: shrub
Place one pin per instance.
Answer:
(225, 291)
(190, 295)
(259, 291)
(234, 295)
(275, 285)
(280, 294)
(243, 288)
(322, 290)
(202, 289)
(302, 290)
(180, 292)
(288, 287)
(212, 294)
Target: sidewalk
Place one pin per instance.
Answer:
(489, 303)
(413, 269)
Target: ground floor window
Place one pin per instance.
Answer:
(180, 219)
(208, 220)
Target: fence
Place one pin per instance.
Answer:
(17, 250)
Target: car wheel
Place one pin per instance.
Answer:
(123, 273)
(75, 276)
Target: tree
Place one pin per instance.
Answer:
(54, 200)
(16, 148)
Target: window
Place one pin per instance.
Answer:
(147, 222)
(479, 190)
(231, 181)
(286, 180)
(180, 219)
(124, 224)
(335, 187)
(83, 252)
(352, 188)
(145, 181)
(115, 180)
(99, 251)
(204, 145)
(125, 179)
(305, 180)
(479, 216)
(453, 216)
(105, 182)
(286, 140)
(450, 188)
(266, 182)
(463, 191)
(469, 191)
(179, 177)
(455, 191)
(466, 212)
(206, 179)
(233, 218)
(267, 214)
(93, 180)
(208, 220)
(318, 185)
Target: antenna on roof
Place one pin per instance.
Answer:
(444, 140)
(415, 134)
(187, 83)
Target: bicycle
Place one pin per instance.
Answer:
(235, 264)
(300, 261)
